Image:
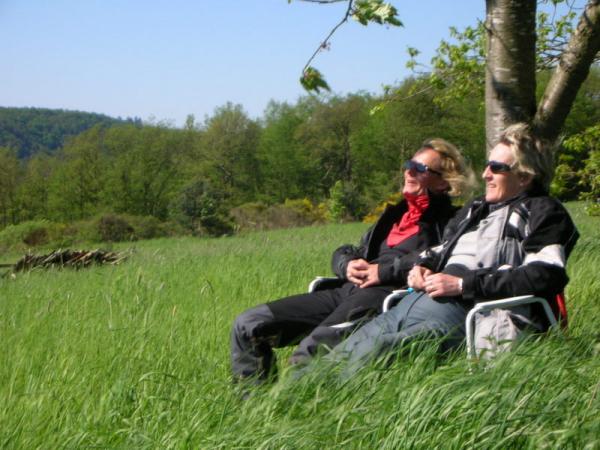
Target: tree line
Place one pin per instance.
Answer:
(338, 157)
(34, 130)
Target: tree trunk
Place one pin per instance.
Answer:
(571, 72)
(510, 68)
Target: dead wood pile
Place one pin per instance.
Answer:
(68, 258)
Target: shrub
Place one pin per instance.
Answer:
(82, 230)
(292, 213)
(578, 171)
(374, 214)
(344, 202)
(114, 228)
(593, 209)
(33, 233)
(590, 175)
(146, 227)
(199, 208)
(250, 216)
(215, 225)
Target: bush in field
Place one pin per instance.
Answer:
(114, 228)
(250, 216)
(148, 227)
(117, 228)
(125, 227)
(344, 202)
(200, 209)
(292, 213)
(378, 210)
(578, 170)
(28, 234)
(305, 211)
(591, 173)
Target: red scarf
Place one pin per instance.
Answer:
(407, 226)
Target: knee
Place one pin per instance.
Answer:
(241, 324)
(246, 323)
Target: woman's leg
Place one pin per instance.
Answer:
(283, 322)
(416, 316)
(358, 307)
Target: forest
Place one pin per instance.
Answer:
(322, 159)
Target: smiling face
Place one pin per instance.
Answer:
(417, 183)
(504, 185)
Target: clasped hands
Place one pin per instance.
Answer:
(435, 284)
(362, 274)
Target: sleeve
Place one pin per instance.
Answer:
(546, 247)
(397, 271)
(346, 253)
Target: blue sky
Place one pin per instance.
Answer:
(167, 59)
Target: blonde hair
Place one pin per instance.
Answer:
(453, 167)
(533, 155)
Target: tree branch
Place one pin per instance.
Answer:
(322, 1)
(570, 73)
(325, 42)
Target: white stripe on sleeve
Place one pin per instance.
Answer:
(551, 254)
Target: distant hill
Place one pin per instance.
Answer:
(33, 130)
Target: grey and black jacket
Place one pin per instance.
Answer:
(395, 263)
(521, 249)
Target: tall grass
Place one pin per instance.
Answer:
(137, 356)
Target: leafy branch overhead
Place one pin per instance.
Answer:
(363, 11)
(458, 67)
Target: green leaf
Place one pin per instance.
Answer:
(376, 109)
(312, 80)
(377, 11)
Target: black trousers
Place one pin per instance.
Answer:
(313, 320)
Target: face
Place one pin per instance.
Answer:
(505, 184)
(417, 183)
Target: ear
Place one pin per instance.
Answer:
(525, 179)
(442, 186)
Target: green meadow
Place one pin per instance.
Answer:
(137, 356)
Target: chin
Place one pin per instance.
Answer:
(491, 197)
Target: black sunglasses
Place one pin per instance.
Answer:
(498, 167)
(419, 167)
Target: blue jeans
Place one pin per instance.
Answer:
(417, 316)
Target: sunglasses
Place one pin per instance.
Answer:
(419, 167)
(498, 167)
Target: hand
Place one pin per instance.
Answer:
(372, 278)
(416, 277)
(356, 272)
(442, 285)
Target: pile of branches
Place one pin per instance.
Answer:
(68, 258)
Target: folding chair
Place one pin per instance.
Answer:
(320, 283)
(396, 296)
(511, 302)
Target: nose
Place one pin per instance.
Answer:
(487, 173)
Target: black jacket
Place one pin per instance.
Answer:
(395, 266)
(533, 245)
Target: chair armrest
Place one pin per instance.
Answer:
(502, 303)
(320, 283)
(390, 301)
